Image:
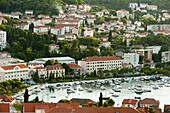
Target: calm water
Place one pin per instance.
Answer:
(161, 94)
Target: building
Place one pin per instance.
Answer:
(131, 58)
(165, 56)
(149, 102)
(155, 49)
(133, 5)
(5, 108)
(130, 103)
(77, 70)
(2, 39)
(16, 71)
(122, 13)
(61, 60)
(29, 12)
(166, 108)
(158, 27)
(146, 53)
(95, 63)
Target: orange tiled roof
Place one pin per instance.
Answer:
(74, 65)
(30, 107)
(101, 58)
(6, 98)
(11, 67)
(95, 110)
(129, 101)
(149, 101)
(4, 107)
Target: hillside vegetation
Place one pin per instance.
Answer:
(39, 6)
(123, 4)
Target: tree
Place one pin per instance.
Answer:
(36, 99)
(26, 96)
(100, 99)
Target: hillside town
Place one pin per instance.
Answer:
(102, 57)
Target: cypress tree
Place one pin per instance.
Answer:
(100, 99)
(26, 96)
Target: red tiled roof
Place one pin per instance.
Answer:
(149, 101)
(4, 107)
(11, 67)
(68, 105)
(101, 58)
(53, 45)
(95, 110)
(129, 101)
(6, 98)
(74, 65)
(30, 107)
(56, 66)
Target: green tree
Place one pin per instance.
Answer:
(26, 96)
(100, 99)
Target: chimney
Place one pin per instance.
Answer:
(90, 104)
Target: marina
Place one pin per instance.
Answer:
(115, 88)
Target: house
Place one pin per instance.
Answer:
(152, 7)
(95, 63)
(15, 71)
(130, 103)
(71, 7)
(81, 101)
(23, 26)
(41, 29)
(5, 108)
(149, 102)
(58, 30)
(99, 14)
(89, 32)
(97, 110)
(143, 5)
(165, 56)
(6, 99)
(46, 20)
(37, 107)
(69, 37)
(166, 108)
(54, 48)
(158, 27)
(76, 68)
(133, 5)
(131, 58)
(53, 70)
(84, 7)
(3, 40)
(28, 12)
(106, 44)
(122, 13)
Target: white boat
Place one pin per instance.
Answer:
(115, 95)
(89, 90)
(116, 90)
(103, 88)
(155, 87)
(80, 89)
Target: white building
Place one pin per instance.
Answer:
(133, 5)
(56, 70)
(17, 71)
(155, 49)
(122, 13)
(131, 58)
(61, 60)
(95, 63)
(165, 56)
(2, 39)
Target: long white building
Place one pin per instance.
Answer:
(95, 63)
(2, 39)
(131, 58)
(17, 71)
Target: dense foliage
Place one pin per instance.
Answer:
(10, 87)
(123, 4)
(48, 7)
